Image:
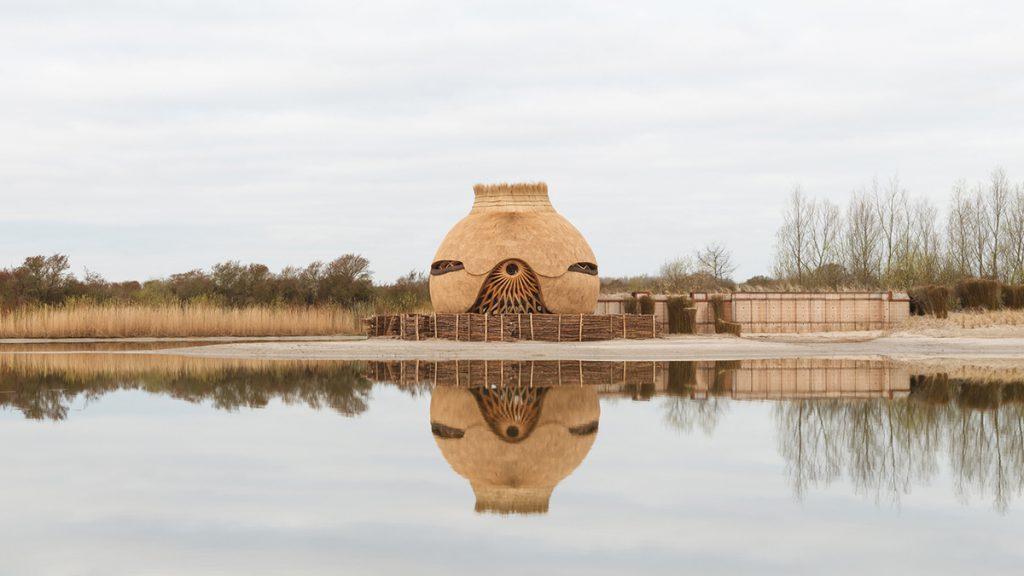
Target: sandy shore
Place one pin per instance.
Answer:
(839, 345)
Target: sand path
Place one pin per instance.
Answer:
(837, 345)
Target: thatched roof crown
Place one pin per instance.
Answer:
(526, 197)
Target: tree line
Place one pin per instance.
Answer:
(885, 237)
(345, 281)
(707, 269)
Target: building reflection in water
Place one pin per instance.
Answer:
(514, 443)
(515, 430)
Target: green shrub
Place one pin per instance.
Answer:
(1013, 296)
(932, 300)
(646, 304)
(630, 305)
(979, 293)
(918, 299)
(938, 300)
(677, 315)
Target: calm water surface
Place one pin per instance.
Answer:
(144, 464)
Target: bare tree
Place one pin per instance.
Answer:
(926, 245)
(980, 239)
(825, 234)
(892, 206)
(960, 231)
(1014, 238)
(862, 250)
(715, 259)
(792, 246)
(996, 206)
(676, 274)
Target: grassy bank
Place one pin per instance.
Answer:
(126, 321)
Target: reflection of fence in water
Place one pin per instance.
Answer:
(472, 373)
(744, 379)
(768, 379)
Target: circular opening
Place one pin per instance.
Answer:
(512, 431)
(512, 268)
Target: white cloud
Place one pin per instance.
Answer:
(322, 128)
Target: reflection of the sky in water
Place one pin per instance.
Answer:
(767, 466)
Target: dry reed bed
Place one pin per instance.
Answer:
(74, 367)
(93, 321)
(965, 320)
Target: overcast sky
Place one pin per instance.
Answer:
(145, 138)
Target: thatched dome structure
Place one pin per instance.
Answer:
(514, 444)
(514, 253)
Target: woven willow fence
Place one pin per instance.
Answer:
(513, 327)
(491, 373)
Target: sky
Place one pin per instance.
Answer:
(147, 138)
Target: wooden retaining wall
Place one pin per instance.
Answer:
(777, 312)
(513, 327)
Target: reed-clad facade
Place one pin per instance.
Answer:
(514, 254)
(514, 269)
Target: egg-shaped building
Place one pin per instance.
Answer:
(513, 253)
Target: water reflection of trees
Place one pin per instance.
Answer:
(42, 388)
(885, 446)
(685, 412)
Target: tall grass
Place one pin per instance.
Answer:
(193, 320)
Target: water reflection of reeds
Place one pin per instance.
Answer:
(43, 386)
